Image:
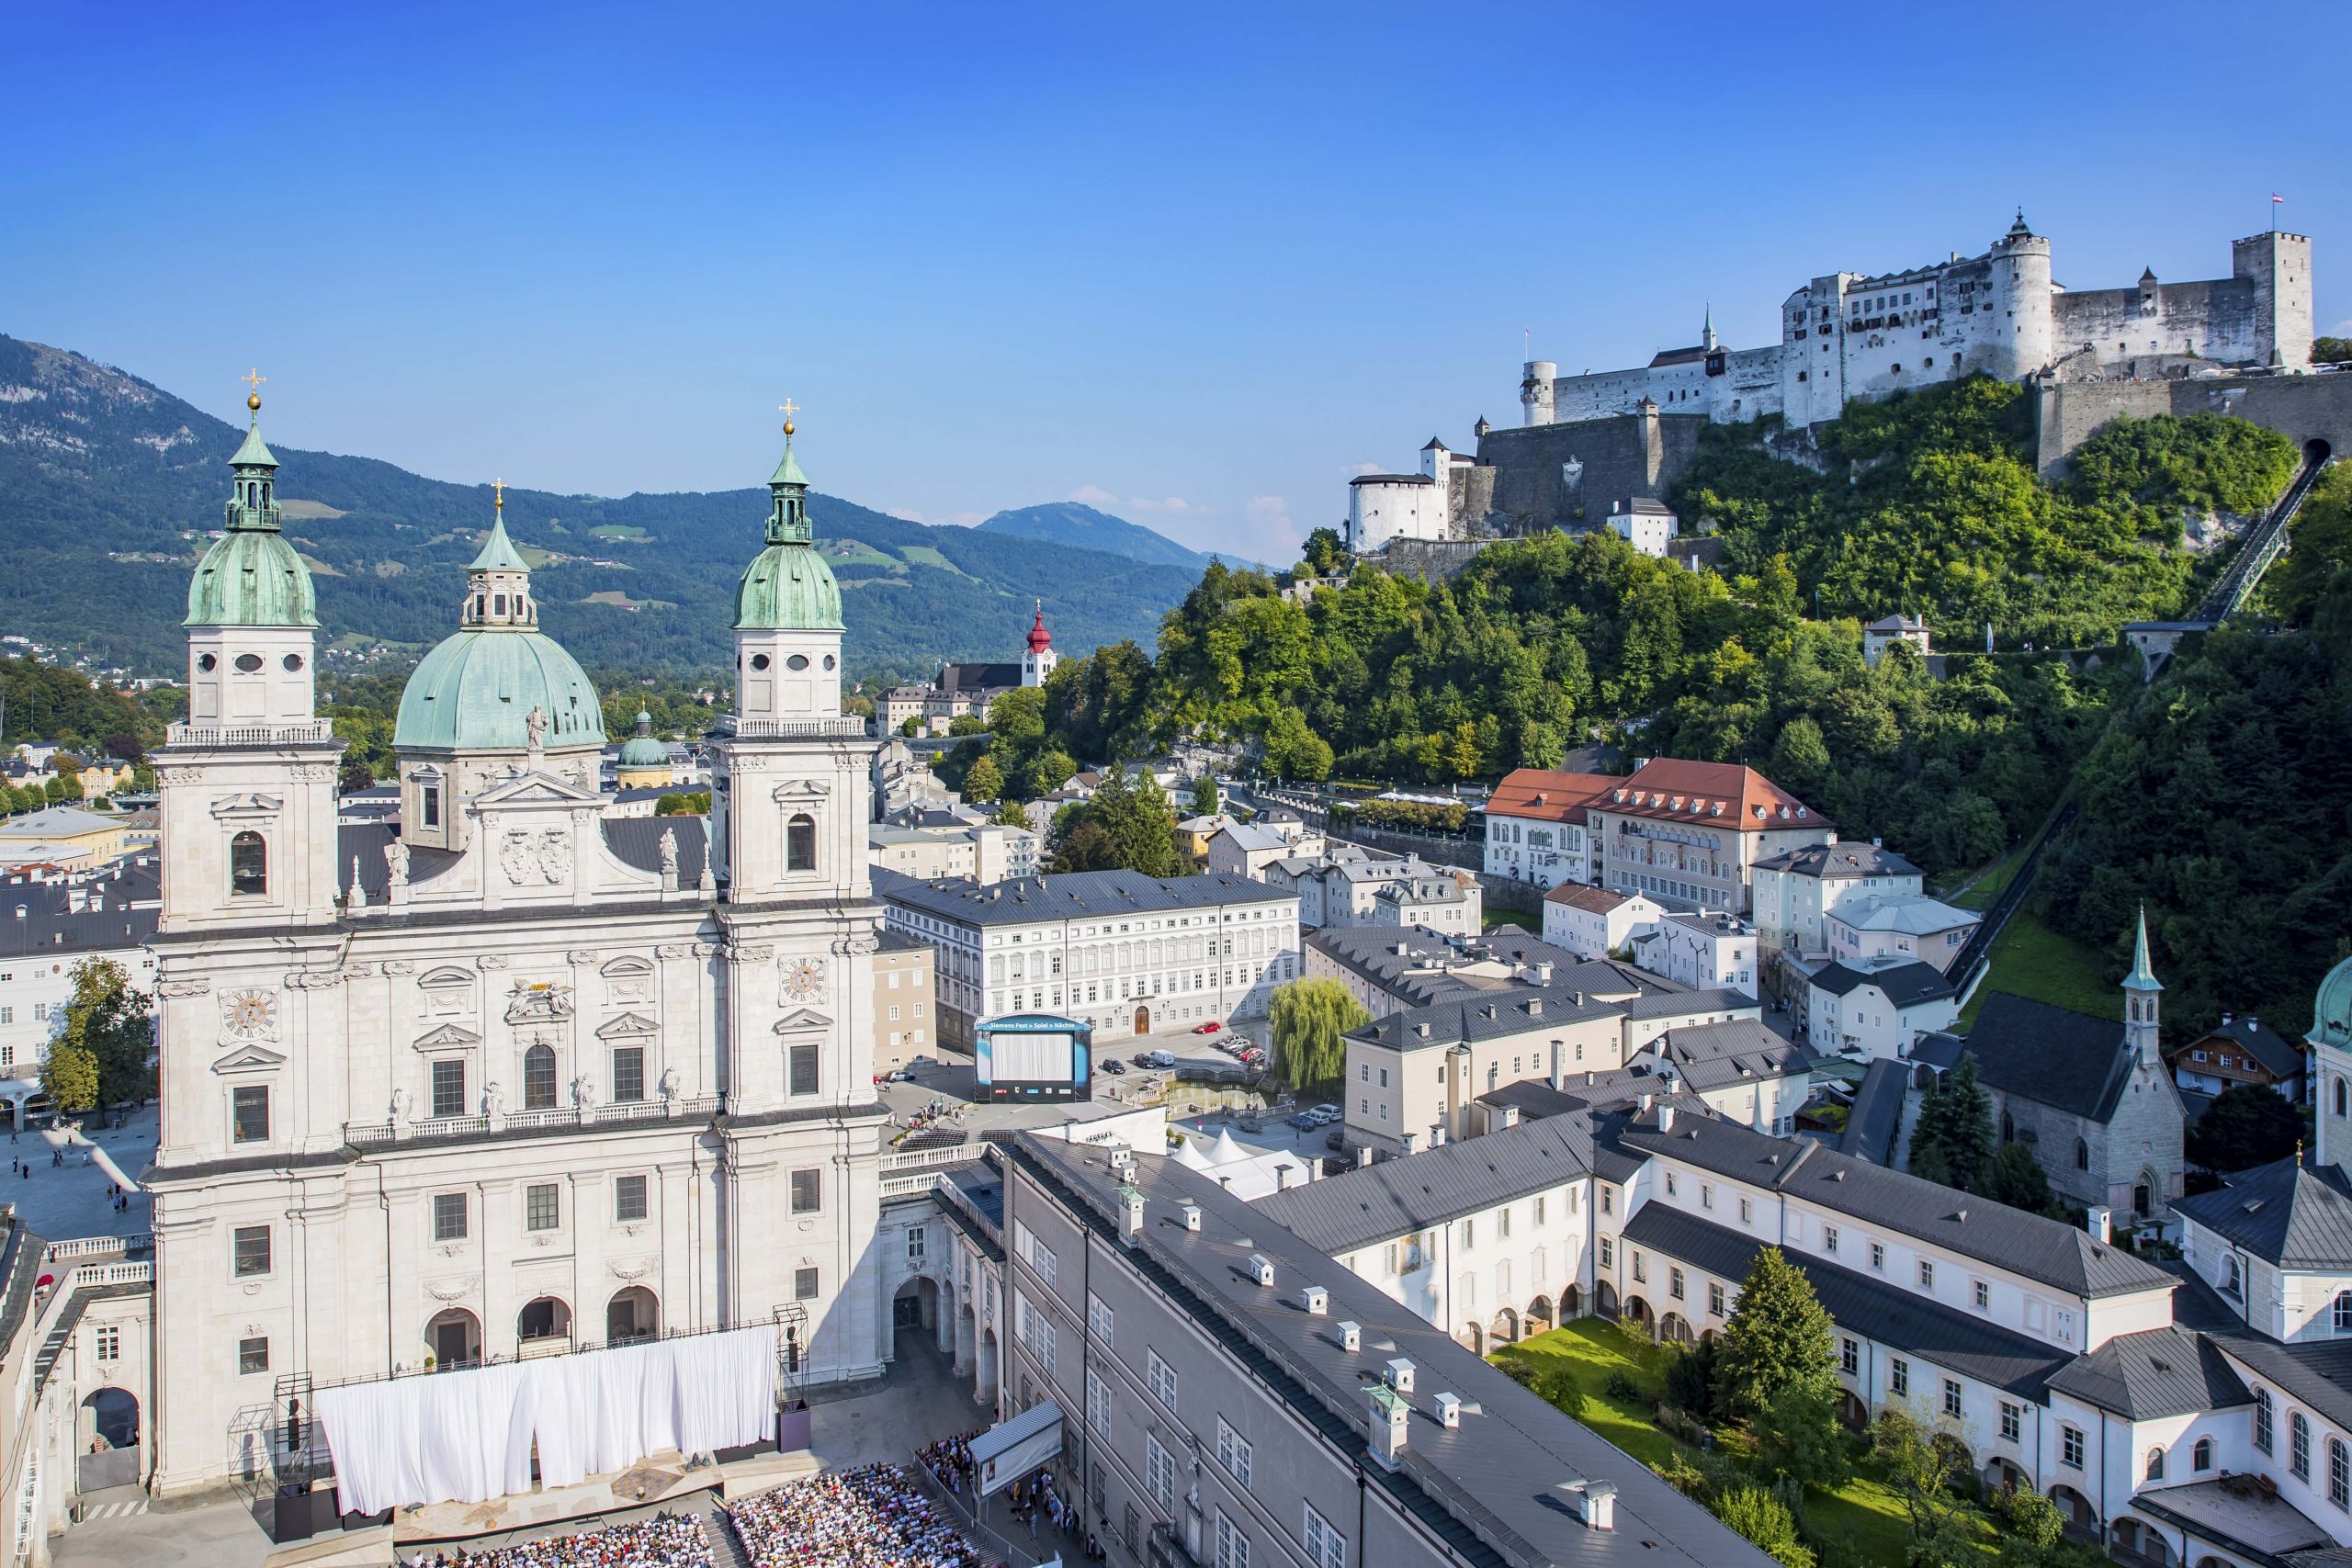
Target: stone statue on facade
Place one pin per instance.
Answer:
(396, 863)
(535, 729)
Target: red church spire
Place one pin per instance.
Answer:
(1039, 638)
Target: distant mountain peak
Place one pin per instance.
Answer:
(1075, 524)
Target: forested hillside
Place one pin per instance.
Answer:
(108, 485)
(1931, 505)
(2222, 800)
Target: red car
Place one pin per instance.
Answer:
(1211, 1027)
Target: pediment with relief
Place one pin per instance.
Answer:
(533, 789)
(451, 976)
(248, 805)
(802, 789)
(803, 1020)
(628, 1023)
(445, 1037)
(249, 1059)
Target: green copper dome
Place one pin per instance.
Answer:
(641, 750)
(250, 576)
(789, 587)
(475, 689)
(2332, 1008)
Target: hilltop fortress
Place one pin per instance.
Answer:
(1592, 444)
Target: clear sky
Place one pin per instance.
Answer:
(1197, 265)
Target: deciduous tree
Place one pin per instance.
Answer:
(1309, 1018)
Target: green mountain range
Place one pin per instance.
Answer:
(1075, 524)
(108, 485)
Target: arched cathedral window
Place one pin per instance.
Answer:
(2340, 1097)
(248, 863)
(800, 843)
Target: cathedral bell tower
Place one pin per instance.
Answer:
(787, 816)
(1039, 659)
(248, 780)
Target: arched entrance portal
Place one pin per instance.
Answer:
(1472, 1339)
(2081, 1518)
(1539, 1316)
(1604, 1300)
(111, 1416)
(1674, 1329)
(453, 1339)
(1637, 1313)
(632, 1314)
(1852, 1414)
(545, 1319)
(1142, 1020)
(916, 1304)
(988, 1362)
(1505, 1328)
(1571, 1303)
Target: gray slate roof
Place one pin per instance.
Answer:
(1839, 862)
(1953, 1339)
(1488, 1487)
(1904, 985)
(119, 904)
(2290, 1215)
(1877, 1113)
(1075, 895)
(1715, 1056)
(2056, 1254)
(1484, 1016)
(2266, 1044)
(2154, 1373)
(638, 840)
(1390, 1198)
(2051, 1055)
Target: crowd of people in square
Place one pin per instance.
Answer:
(950, 1462)
(1036, 1504)
(873, 1516)
(665, 1541)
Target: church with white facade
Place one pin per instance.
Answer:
(508, 1078)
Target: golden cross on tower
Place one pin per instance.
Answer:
(499, 502)
(253, 380)
(787, 408)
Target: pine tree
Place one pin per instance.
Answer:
(1956, 1123)
(2016, 1178)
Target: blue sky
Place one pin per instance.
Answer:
(1197, 265)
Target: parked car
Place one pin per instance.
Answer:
(1251, 1124)
(1211, 1027)
(1156, 1059)
(1114, 1066)
(1336, 1139)
(1142, 1058)
(1327, 1111)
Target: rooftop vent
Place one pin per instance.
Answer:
(1398, 1375)
(1316, 1300)
(1351, 1337)
(1191, 1213)
(1261, 1268)
(1594, 1501)
(1449, 1410)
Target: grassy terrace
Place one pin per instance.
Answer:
(1861, 1525)
(2034, 961)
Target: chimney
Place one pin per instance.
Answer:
(1642, 1102)
(1449, 1410)
(1191, 1213)
(1351, 1337)
(1261, 1268)
(1558, 1051)
(1133, 1231)
(1363, 1156)
(2225, 1021)
(1544, 973)
(1390, 1413)
(1511, 1116)
(1666, 1118)
(1398, 1375)
(2100, 1220)
(1282, 1177)
(1316, 1300)
(1437, 1134)
(1594, 1501)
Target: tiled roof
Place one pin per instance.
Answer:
(1487, 1487)
(1904, 985)
(1592, 900)
(2051, 1056)
(1838, 862)
(1079, 894)
(2292, 1215)
(2056, 1254)
(1544, 794)
(1724, 794)
(1953, 1339)
(1392, 1197)
(2154, 1373)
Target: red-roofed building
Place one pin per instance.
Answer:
(1694, 832)
(1535, 826)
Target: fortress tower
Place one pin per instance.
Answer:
(2280, 266)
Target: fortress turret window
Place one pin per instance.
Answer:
(248, 863)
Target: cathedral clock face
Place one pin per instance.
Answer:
(249, 1015)
(803, 978)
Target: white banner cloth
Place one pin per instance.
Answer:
(466, 1436)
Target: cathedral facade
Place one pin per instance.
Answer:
(509, 1077)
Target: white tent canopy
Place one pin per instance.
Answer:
(1011, 1449)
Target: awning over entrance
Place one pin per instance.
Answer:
(1010, 1450)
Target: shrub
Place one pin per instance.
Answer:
(1763, 1519)
(1561, 1389)
(1620, 1387)
(1519, 1368)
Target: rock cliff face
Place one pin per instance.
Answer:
(108, 485)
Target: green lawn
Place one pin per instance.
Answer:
(1861, 1524)
(1978, 892)
(2034, 961)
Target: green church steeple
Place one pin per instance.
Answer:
(250, 576)
(788, 495)
(252, 501)
(788, 586)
